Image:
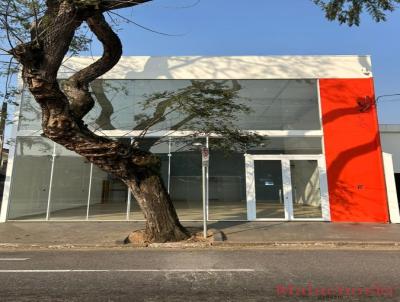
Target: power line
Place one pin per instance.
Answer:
(387, 95)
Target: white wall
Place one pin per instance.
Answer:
(232, 67)
(390, 140)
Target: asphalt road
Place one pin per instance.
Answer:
(199, 275)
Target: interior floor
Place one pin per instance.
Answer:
(185, 210)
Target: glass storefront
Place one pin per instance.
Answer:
(73, 189)
(61, 185)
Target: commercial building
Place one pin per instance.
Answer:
(321, 159)
(390, 139)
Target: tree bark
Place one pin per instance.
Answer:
(63, 111)
(162, 224)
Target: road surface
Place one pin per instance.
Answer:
(199, 275)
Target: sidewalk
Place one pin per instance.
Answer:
(21, 235)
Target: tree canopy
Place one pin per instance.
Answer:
(350, 11)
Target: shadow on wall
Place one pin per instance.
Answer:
(353, 154)
(240, 67)
(155, 67)
(225, 67)
(347, 195)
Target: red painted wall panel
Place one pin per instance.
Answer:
(357, 191)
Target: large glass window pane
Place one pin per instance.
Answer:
(108, 195)
(133, 104)
(186, 179)
(30, 178)
(305, 189)
(69, 194)
(279, 105)
(227, 186)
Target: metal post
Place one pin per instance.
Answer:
(128, 198)
(90, 191)
(204, 201)
(169, 165)
(128, 206)
(207, 179)
(204, 164)
(53, 159)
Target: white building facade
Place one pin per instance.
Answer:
(308, 108)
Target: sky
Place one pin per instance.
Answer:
(265, 27)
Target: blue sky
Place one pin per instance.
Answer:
(265, 27)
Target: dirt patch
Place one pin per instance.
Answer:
(197, 237)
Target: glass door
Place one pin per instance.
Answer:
(306, 189)
(286, 187)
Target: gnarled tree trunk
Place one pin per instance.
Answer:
(63, 110)
(162, 223)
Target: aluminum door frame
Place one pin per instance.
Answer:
(286, 186)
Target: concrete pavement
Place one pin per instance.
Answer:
(269, 234)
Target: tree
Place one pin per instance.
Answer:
(41, 33)
(349, 11)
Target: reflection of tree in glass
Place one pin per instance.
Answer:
(35, 145)
(200, 101)
(205, 107)
(30, 109)
(100, 89)
(104, 119)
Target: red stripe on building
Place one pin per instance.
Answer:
(356, 182)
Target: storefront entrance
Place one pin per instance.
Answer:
(286, 187)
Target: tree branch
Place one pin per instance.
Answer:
(107, 5)
(77, 86)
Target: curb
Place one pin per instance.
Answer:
(212, 245)
(312, 244)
